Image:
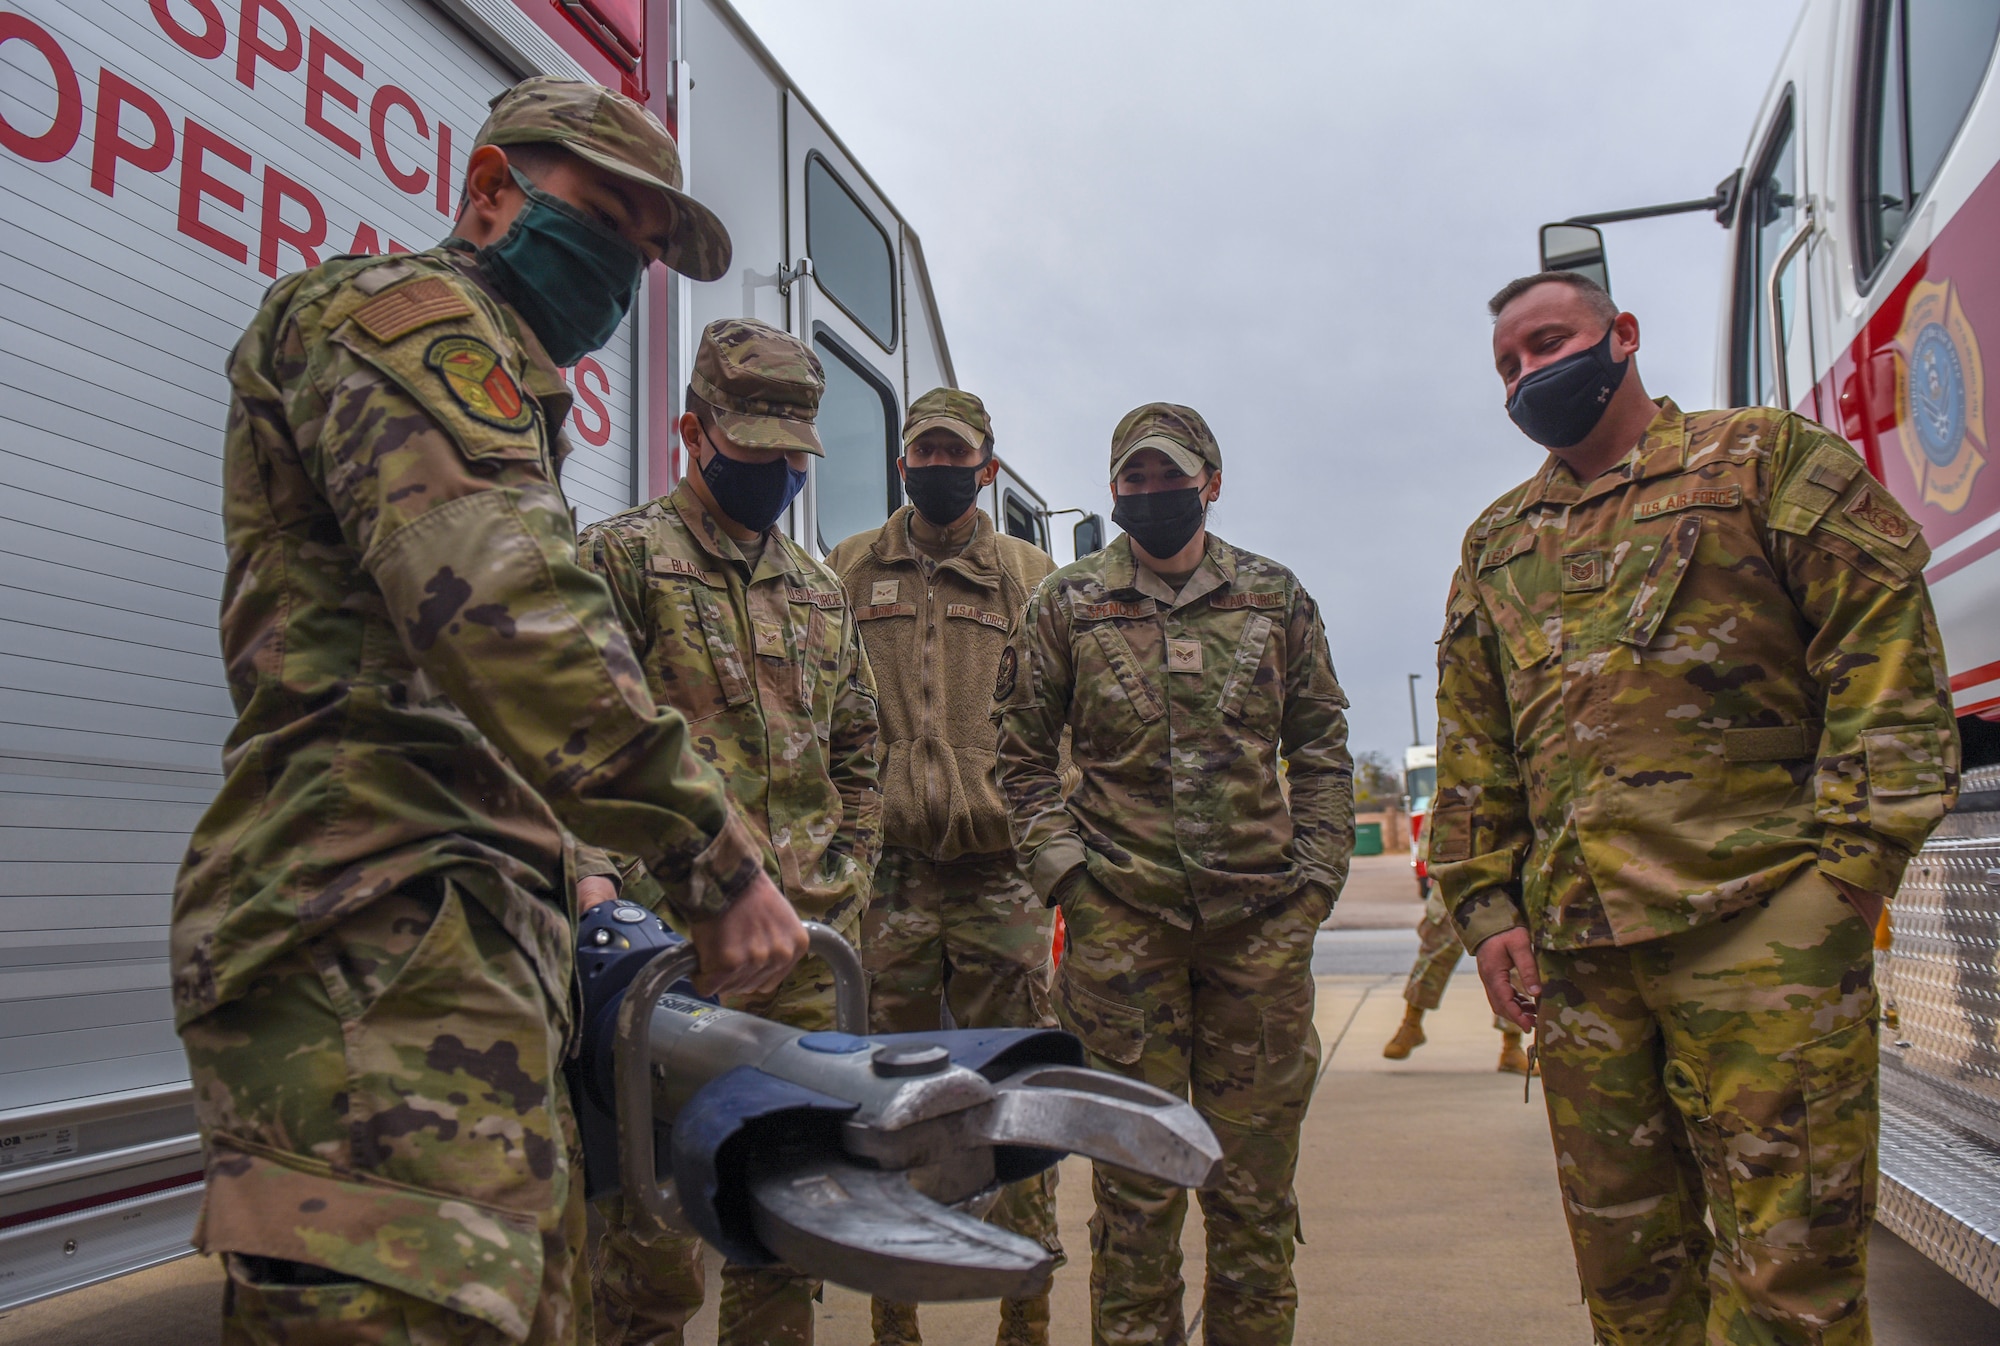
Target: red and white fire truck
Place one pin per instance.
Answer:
(1865, 293)
(161, 162)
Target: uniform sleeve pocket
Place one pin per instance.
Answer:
(1108, 1029)
(1448, 831)
(1904, 762)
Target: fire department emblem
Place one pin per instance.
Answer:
(1940, 396)
(477, 381)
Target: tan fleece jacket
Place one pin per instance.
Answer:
(934, 632)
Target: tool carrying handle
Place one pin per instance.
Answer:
(649, 1207)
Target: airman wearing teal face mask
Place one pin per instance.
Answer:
(565, 229)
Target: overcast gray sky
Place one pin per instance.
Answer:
(1290, 217)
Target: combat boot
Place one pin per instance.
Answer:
(1409, 1037)
(895, 1324)
(1024, 1322)
(1513, 1057)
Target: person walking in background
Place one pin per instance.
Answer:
(1191, 880)
(1693, 721)
(751, 639)
(938, 592)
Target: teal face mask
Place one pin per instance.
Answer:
(571, 279)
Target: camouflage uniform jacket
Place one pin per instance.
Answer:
(936, 630)
(1181, 707)
(416, 660)
(769, 670)
(1664, 691)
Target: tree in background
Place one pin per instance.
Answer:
(1378, 783)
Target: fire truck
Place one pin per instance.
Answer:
(1420, 778)
(1864, 293)
(161, 163)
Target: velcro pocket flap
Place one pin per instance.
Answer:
(1448, 831)
(1244, 663)
(1810, 492)
(1662, 579)
(1771, 743)
(730, 671)
(1132, 679)
(1907, 761)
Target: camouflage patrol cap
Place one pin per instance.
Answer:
(764, 384)
(1178, 432)
(948, 409)
(616, 134)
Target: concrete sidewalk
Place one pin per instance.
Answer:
(1428, 1199)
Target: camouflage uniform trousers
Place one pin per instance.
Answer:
(417, 1033)
(1224, 1017)
(1438, 955)
(1730, 1070)
(646, 1292)
(971, 934)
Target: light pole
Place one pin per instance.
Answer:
(1416, 732)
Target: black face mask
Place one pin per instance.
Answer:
(941, 494)
(753, 494)
(1163, 522)
(1558, 405)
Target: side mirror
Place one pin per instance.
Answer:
(1088, 535)
(1575, 247)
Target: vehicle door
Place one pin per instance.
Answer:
(1774, 245)
(847, 304)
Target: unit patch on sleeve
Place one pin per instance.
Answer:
(1003, 686)
(1872, 509)
(472, 373)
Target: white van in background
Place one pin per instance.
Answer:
(161, 162)
(1865, 294)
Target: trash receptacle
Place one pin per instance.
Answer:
(1368, 838)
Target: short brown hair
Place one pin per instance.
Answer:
(1595, 295)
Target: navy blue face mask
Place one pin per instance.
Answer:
(1559, 404)
(752, 494)
(571, 279)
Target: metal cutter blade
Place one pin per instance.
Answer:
(869, 1230)
(1107, 1118)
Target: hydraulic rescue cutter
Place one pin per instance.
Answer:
(862, 1158)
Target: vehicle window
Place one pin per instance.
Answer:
(1770, 215)
(1421, 785)
(851, 255)
(855, 484)
(1022, 521)
(1922, 65)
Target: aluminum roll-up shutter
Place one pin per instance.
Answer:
(158, 169)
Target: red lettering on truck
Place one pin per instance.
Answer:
(208, 43)
(321, 86)
(386, 97)
(197, 144)
(60, 138)
(252, 48)
(114, 95)
(305, 238)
